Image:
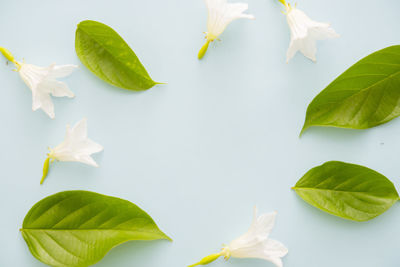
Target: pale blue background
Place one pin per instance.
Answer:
(199, 153)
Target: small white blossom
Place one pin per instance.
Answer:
(42, 82)
(305, 32)
(220, 14)
(255, 243)
(76, 146)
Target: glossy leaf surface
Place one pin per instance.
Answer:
(366, 95)
(103, 51)
(347, 190)
(77, 228)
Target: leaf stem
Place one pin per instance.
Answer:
(45, 169)
(203, 50)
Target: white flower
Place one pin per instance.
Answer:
(76, 146)
(220, 14)
(42, 82)
(254, 244)
(305, 32)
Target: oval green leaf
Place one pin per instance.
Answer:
(78, 228)
(366, 95)
(347, 190)
(103, 51)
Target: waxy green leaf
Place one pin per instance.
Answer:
(366, 95)
(347, 190)
(78, 228)
(103, 51)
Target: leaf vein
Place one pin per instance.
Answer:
(62, 247)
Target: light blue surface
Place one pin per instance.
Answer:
(199, 153)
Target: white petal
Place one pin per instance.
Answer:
(255, 243)
(306, 46)
(43, 101)
(221, 13)
(257, 233)
(304, 34)
(263, 224)
(87, 160)
(56, 88)
(275, 248)
(84, 147)
(90, 147)
(79, 131)
(71, 157)
(76, 146)
(33, 75)
(62, 71)
(270, 250)
(41, 81)
(323, 32)
(293, 48)
(64, 146)
(68, 135)
(277, 261)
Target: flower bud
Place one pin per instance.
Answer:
(207, 260)
(7, 54)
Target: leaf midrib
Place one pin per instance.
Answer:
(91, 229)
(341, 191)
(372, 85)
(364, 89)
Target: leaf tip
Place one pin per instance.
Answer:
(305, 127)
(164, 83)
(167, 238)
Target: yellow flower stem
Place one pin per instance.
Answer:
(7, 54)
(203, 50)
(284, 3)
(45, 169)
(207, 259)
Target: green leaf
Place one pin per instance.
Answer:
(366, 95)
(347, 190)
(103, 51)
(78, 228)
